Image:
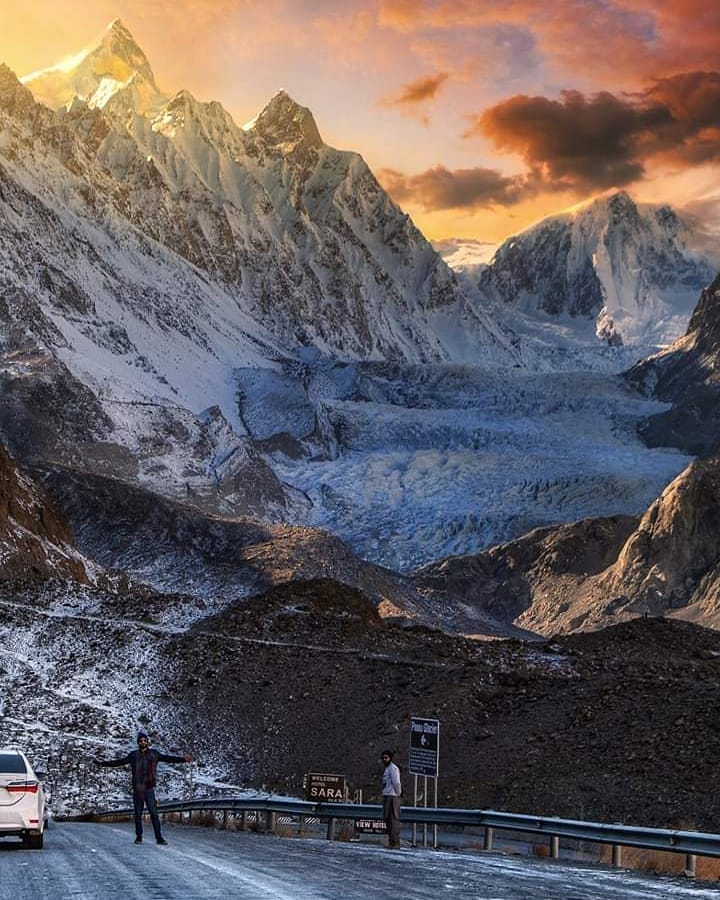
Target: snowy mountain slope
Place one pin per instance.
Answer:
(634, 269)
(150, 247)
(114, 349)
(300, 234)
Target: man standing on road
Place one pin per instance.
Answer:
(143, 765)
(391, 790)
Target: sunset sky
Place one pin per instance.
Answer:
(478, 116)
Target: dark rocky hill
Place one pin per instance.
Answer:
(597, 572)
(614, 725)
(687, 375)
(35, 541)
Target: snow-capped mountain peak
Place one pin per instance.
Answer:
(99, 73)
(635, 269)
(285, 125)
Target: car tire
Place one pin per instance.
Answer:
(33, 841)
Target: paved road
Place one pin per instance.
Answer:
(101, 862)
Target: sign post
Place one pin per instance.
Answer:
(324, 788)
(424, 759)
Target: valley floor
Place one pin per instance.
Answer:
(438, 461)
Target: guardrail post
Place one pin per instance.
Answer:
(243, 820)
(488, 841)
(224, 819)
(617, 855)
(331, 830)
(301, 822)
(270, 822)
(555, 846)
(690, 865)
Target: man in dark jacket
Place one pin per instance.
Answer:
(143, 765)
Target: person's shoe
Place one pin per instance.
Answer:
(138, 840)
(161, 841)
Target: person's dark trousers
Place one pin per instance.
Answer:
(146, 798)
(391, 814)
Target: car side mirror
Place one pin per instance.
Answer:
(41, 776)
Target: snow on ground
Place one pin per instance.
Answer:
(426, 462)
(202, 862)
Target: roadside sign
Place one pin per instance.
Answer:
(324, 788)
(424, 754)
(370, 826)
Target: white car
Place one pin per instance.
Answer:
(23, 811)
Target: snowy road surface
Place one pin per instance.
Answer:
(99, 862)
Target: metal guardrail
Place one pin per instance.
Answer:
(692, 843)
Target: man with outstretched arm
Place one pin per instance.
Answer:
(143, 765)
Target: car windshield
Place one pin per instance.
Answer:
(12, 763)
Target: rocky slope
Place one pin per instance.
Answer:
(35, 541)
(176, 548)
(593, 573)
(635, 270)
(617, 725)
(535, 577)
(611, 726)
(686, 375)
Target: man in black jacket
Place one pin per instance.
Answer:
(143, 765)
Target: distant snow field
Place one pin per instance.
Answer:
(423, 462)
(465, 253)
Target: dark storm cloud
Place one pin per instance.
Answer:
(440, 188)
(606, 140)
(576, 141)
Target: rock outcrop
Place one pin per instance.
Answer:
(36, 544)
(687, 375)
(593, 573)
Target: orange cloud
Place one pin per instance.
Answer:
(439, 188)
(420, 90)
(608, 41)
(417, 92)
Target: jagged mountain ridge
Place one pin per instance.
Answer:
(686, 375)
(149, 247)
(301, 234)
(633, 269)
